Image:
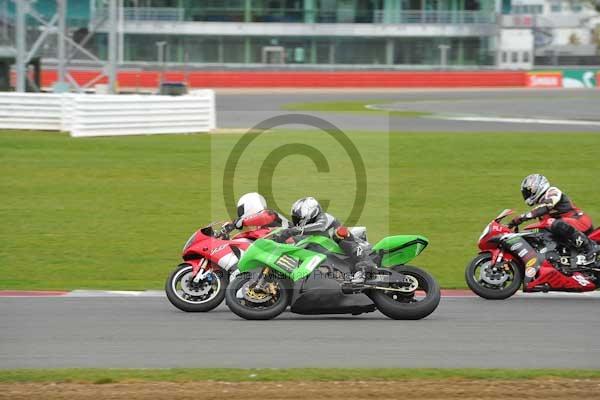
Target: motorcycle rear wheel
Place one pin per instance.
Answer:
(189, 303)
(488, 291)
(406, 306)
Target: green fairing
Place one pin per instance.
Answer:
(400, 249)
(322, 241)
(396, 250)
(264, 252)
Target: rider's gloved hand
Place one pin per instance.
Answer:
(228, 227)
(516, 221)
(284, 234)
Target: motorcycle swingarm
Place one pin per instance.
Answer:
(394, 278)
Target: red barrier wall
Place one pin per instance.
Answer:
(370, 79)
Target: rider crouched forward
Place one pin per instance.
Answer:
(252, 211)
(309, 218)
(570, 225)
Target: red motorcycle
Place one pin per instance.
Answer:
(532, 258)
(198, 284)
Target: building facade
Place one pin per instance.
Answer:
(386, 33)
(563, 32)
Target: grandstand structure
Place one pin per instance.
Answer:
(285, 34)
(409, 33)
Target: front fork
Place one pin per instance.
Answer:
(199, 271)
(261, 284)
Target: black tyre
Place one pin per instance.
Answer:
(491, 282)
(245, 303)
(189, 296)
(413, 305)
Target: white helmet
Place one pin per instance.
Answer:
(305, 210)
(250, 204)
(533, 188)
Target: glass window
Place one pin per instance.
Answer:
(514, 57)
(504, 56)
(525, 56)
(576, 7)
(360, 51)
(556, 7)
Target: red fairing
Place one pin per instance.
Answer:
(548, 275)
(263, 218)
(545, 223)
(595, 236)
(214, 249)
(494, 229)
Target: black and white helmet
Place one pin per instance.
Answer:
(250, 204)
(305, 211)
(533, 188)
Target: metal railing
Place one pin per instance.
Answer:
(296, 15)
(146, 13)
(436, 17)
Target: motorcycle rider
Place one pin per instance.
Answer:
(309, 217)
(252, 211)
(569, 224)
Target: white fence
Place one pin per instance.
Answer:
(109, 115)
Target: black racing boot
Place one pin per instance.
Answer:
(367, 273)
(577, 240)
(585, 247)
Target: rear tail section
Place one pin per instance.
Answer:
(400, 249)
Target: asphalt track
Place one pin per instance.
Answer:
(540, 331)
(563, 110)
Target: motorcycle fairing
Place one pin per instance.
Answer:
(595, 236)
(551, 279)
(280, 257)
(321, 292)
(322, 241)
(516, 245)
(400, 249)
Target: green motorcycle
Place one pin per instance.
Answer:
(313, 277)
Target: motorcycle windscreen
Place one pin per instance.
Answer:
(400, 249)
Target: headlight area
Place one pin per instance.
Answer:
(189, 241)
(485, 232)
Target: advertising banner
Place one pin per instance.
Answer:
(547, 79)
(579, 78)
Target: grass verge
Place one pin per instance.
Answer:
(113, 213)
(101, 376)
(355, 106)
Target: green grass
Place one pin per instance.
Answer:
(113, 213)
(102, 376)
(354, 106)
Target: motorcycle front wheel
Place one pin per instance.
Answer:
(190, 296)
(417, 302)
(493, 282)
(245, 302)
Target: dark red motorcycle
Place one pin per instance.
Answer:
(533, 259)
(198, 284)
